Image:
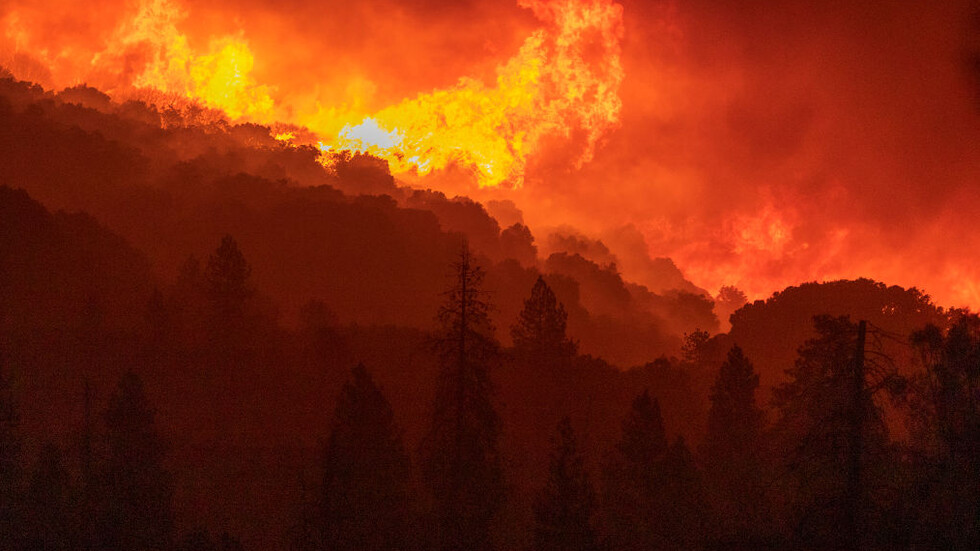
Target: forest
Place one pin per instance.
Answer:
(209, 340)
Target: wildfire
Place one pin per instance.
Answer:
(219, 78)
(562, 84)
(564, 81)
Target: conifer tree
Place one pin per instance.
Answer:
(683, 521)
(828, 420)
(461, 464)
(138, 491)
(365, 502)
(10, 468)
(731, 450)
(633, 480)
(227, 278)
(539, 334)
(565, 507)
(946, 436)
(49, 523)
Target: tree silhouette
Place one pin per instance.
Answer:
(694, 346)
(732, 450)
(138, 491)
(946, 433)
(729, 299)
(461, 464)
(324, 345)
(565, 507)
(227, 276)
(683, 521)
(365, 496)
(829, 429)
(539, 334)
(49, 518)
(633, 492)
(88, 501)
(10, 469)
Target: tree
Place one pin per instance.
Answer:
(564, 509)
(324, 346)
(634, 480)
(694, 346)
(365, 495)
(729, 299)
(138, 490)
(10, 470)
(946, 435)
(683, 521)
(539, 334)
(49, 509)
(832, 437)
(461, 464)
(732, 450)
(227, 278)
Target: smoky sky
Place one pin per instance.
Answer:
(760, 144)
(770, 144)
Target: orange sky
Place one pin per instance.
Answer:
(760, 146)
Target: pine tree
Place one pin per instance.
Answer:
(138, 491)
(49, 509)
(828, 422)
(633, 485)
(227, 277)
(10, 469)
(88, 500)
(565, 507)
(946, 436)
(365, 495)
(539, 334)
(683, 521)
(230, 353)
(731, 451)
(461, 464)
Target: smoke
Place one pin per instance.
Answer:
(767, 146)
(759, 146)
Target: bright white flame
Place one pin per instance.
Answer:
(369, 136)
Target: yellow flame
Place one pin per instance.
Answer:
(219, 78)
(550, 87)
(563, 83)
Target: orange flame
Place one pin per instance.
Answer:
(219, 78)
(562, 83)
(564, 80)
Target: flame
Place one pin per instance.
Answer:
(564, 81)
(219, 78)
